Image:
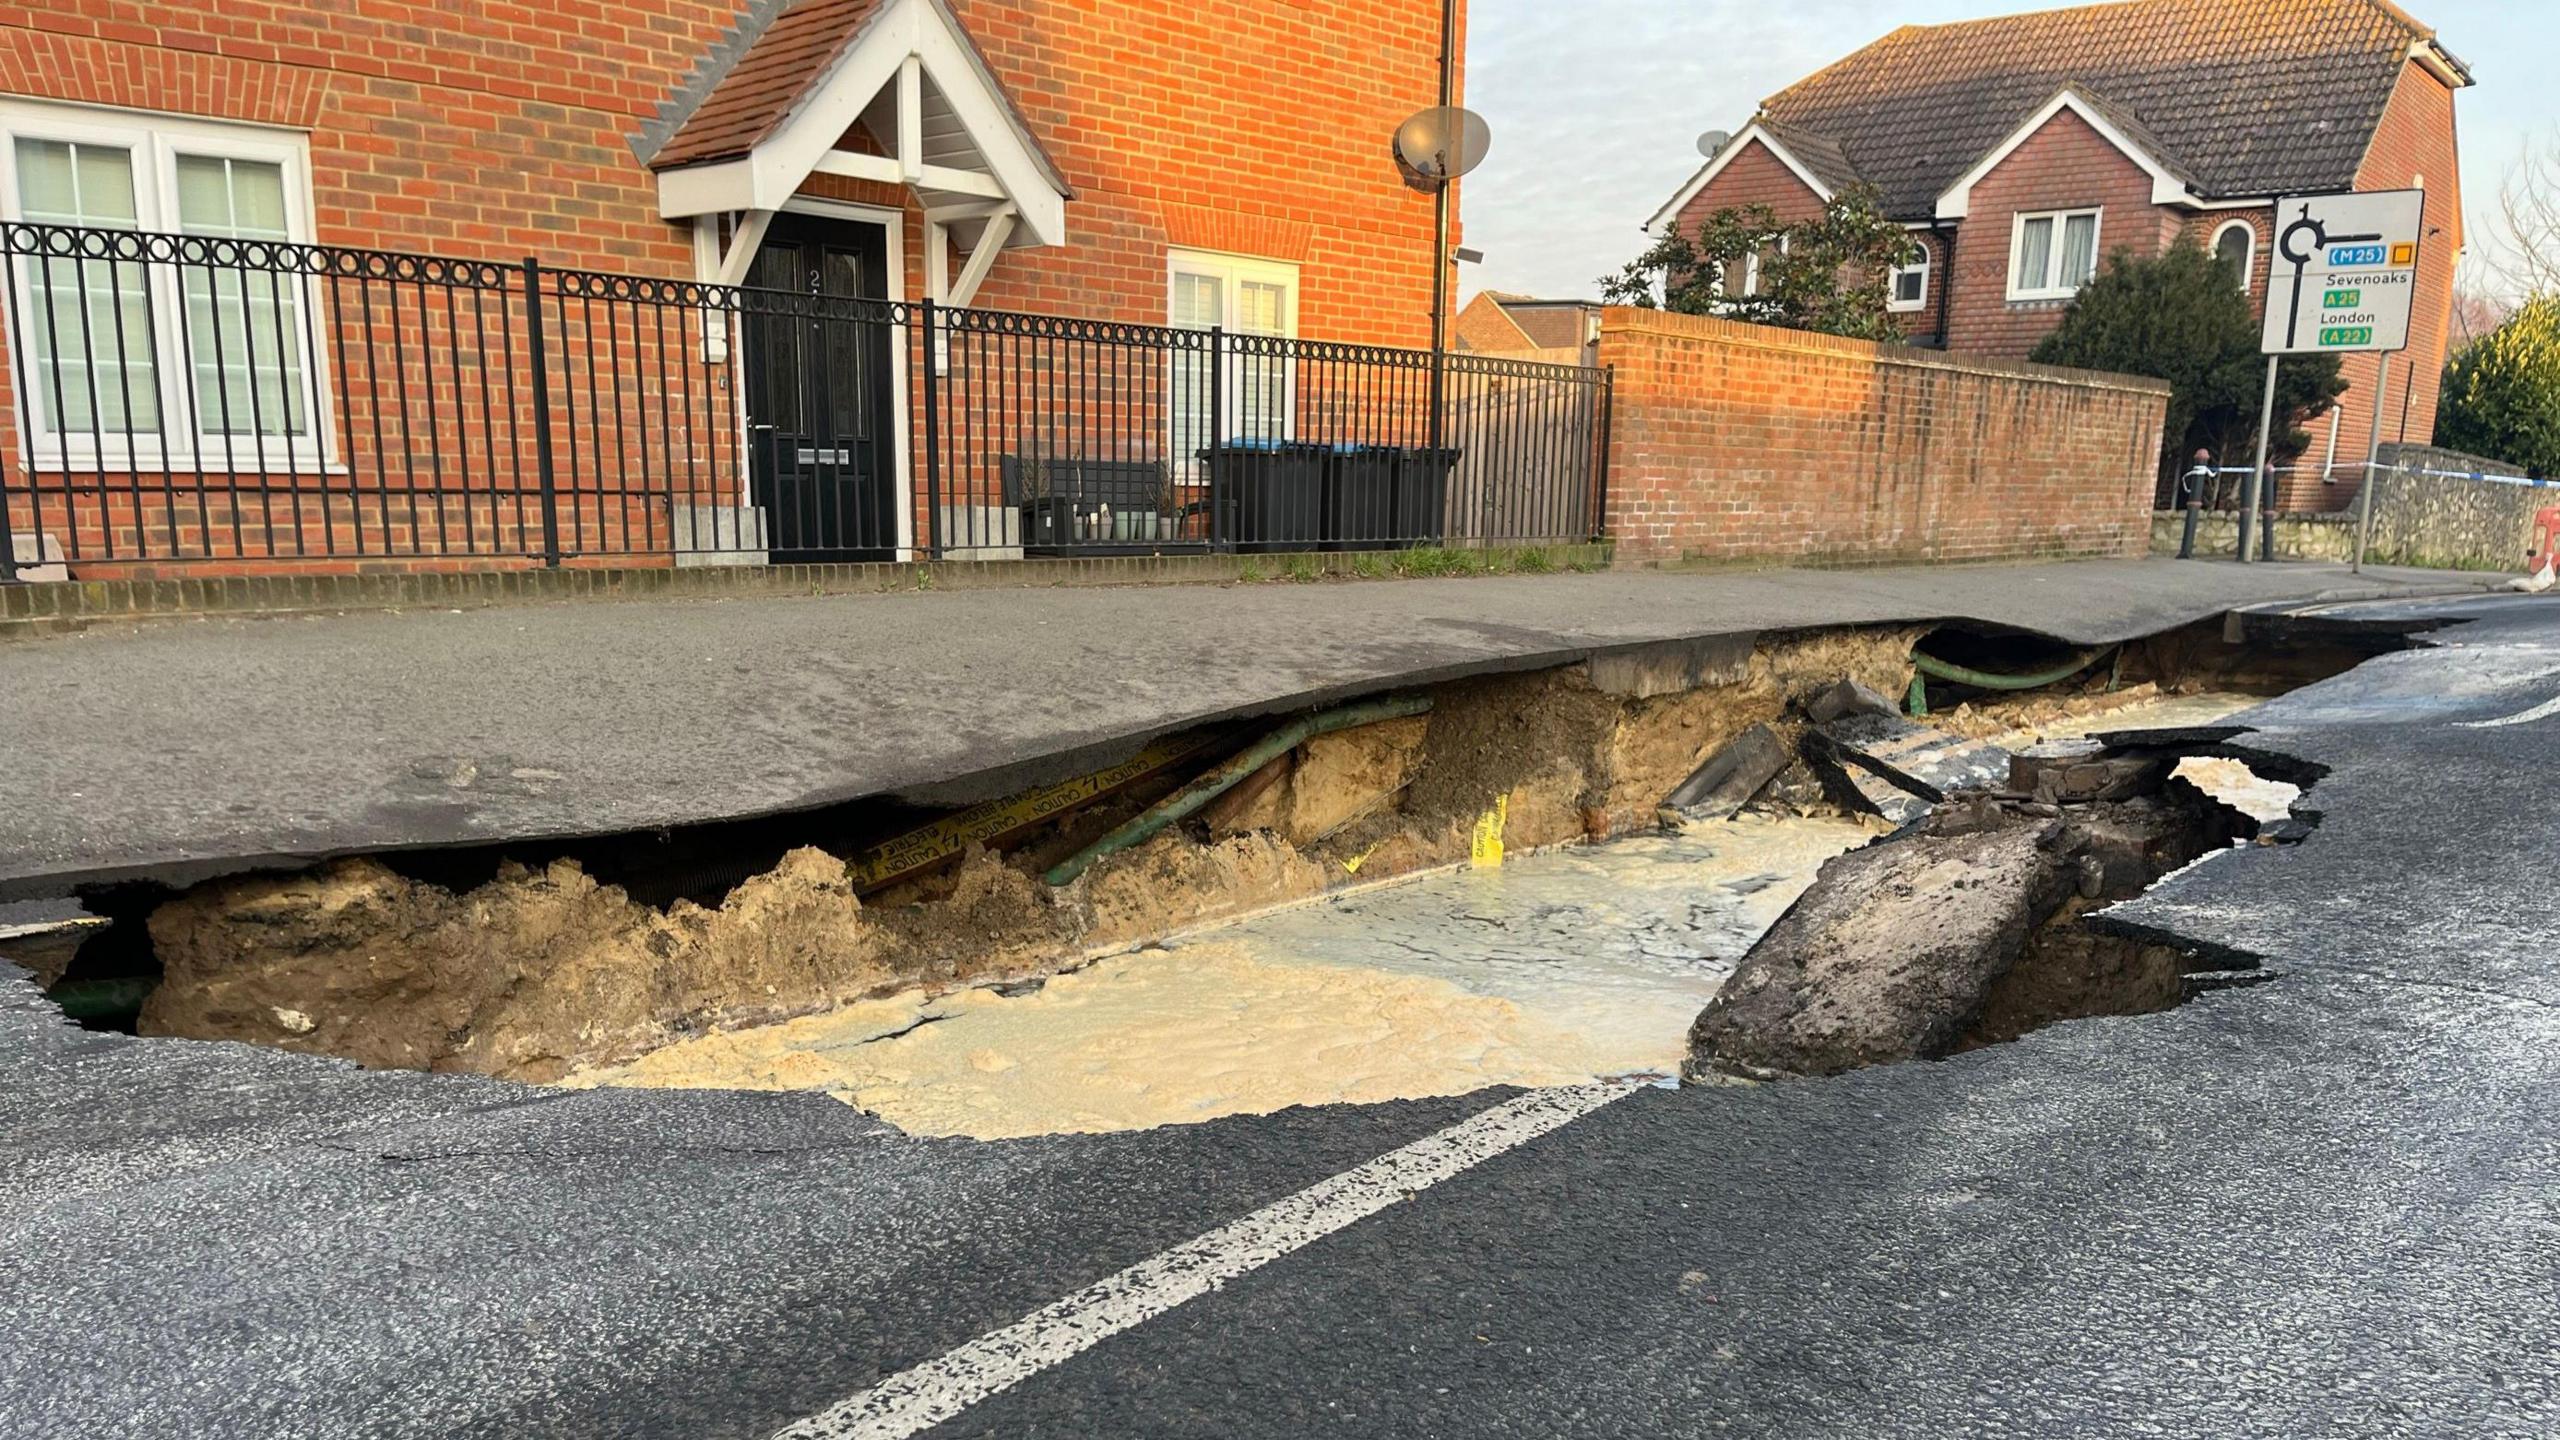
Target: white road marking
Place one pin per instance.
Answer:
(2521, 717)
(938, 1389)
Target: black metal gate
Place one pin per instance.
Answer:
(821, 417)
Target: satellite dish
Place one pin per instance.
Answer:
(1711, 141)
(1439, 144)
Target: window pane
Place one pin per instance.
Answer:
(204, 195)
(257, 199)
(244, 324)
(1909, 285)
(2035, 254)
(2079, 251)
(1197, 305)
(92, 364)
(2233, 250)
(46, 190)
(1196, 302)
(1262, 308)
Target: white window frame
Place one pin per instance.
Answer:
(2052, 288)
(1751, 268)
(1893, 301)
(2248, 257)
(156, 141)
(1231, 271)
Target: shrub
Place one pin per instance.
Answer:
(2501, 395)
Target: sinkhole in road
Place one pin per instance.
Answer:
(1519, 878)
(1558, 968)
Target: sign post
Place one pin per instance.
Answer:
(2344, 276)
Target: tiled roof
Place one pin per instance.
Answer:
(2245, 97)
(1818, 153)
(760, 91)
(785, 63)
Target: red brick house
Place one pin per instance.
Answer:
(2021, 150)
(1187, 167)
(1496, 323)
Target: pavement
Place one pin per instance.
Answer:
(179, 750)
(2327, 1203)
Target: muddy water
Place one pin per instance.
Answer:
(2160, 712)
(1553, 969)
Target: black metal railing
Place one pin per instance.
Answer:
(226, 399)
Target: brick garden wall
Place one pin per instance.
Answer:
(1739, 442)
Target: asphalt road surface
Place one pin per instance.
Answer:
(2321, 1205)
(180, 749)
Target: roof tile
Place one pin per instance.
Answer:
(2247, 97)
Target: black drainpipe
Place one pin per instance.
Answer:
(1946, 268)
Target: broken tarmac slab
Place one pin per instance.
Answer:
(1965, 929)
(2082, 769)
(1732, 775)
(1929, 763)
(1886, 958)
(1845, 698)
(178, 751)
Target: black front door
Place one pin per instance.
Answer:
(820, 416)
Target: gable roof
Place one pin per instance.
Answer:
(1819, 154)
(782, 68)
(2172, 182)
(1814, 159)
(2243, 98)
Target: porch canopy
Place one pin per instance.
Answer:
(906, 73)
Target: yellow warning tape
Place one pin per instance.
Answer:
(932, 844)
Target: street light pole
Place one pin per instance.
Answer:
(1440, 233)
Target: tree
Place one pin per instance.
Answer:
(2522, 249)
(1827, 274)
(2182, 317)
(2501, 394)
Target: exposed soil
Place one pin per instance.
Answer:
(542, 968)
(2068, 971)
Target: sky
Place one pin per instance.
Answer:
(1596, 106)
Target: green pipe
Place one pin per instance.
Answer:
(115, 999)
(1936, 668)
(1219, 781)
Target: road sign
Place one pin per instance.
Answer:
(2345, 272)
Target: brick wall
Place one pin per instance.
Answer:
(1483, 325)
(1251, 128)
(1752, 177)
(1733, 442)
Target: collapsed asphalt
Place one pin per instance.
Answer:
(175, 750)
(2321, 1205)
